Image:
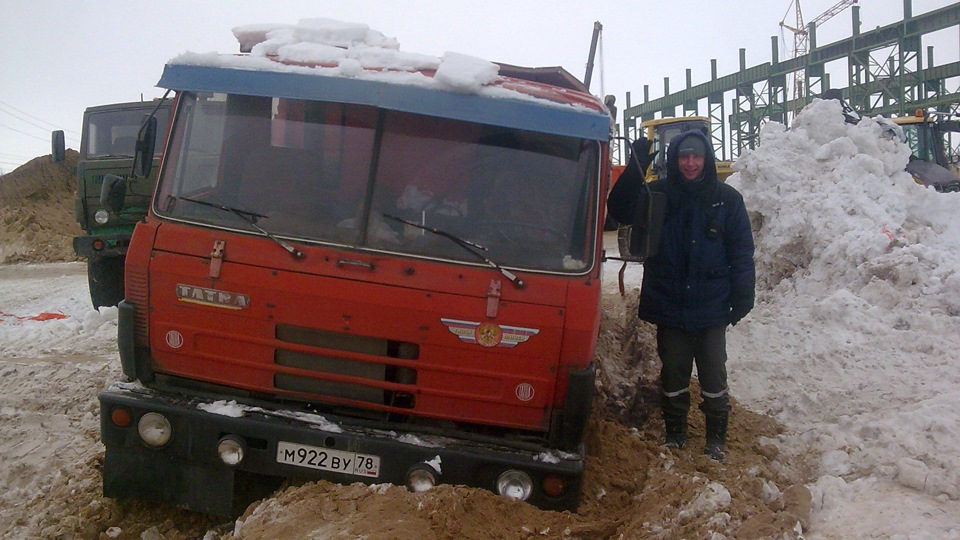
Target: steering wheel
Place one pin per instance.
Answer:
(501, 226)
(444, 209)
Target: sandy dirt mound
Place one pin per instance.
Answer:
(36, 211)
(51, 455)
(633, 487)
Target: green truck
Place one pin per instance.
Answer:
(107, 148)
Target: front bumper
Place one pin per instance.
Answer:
(101, 245)
(187, 471)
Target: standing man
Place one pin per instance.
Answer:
(701, 279)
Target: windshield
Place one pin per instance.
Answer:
(370, 178)
(113, 133)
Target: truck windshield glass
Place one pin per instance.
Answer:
(114, 133)
(332, 173)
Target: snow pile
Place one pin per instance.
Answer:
(853, 342)
(343, 49)
(269, 38)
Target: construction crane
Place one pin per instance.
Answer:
(801, 40)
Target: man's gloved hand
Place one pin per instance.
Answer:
(641, 149)
(740, 304)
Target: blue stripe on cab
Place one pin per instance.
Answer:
(559, 119)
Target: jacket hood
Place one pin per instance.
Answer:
(673, 163)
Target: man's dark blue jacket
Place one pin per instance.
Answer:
(703, 273)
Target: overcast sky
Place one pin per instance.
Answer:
(58, 57)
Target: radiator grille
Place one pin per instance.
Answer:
(332, 364)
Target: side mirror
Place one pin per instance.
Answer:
(112, 193)
(146, 141)
(642, 239)
(58, 146)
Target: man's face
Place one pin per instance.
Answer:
(691, 166)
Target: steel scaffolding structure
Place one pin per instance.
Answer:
(886, 70)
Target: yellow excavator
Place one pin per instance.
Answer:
(662, 130)
(932, 136)
(934, 161)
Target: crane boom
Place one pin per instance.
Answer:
(802, 37)
(840, 6)
(597, 29)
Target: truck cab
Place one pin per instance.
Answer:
(107, 145)
(932, 138)
(356, 278)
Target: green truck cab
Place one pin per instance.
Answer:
(109, 199)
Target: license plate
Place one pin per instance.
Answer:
(327, 459)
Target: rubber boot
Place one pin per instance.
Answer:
(675, 420)
(676, 431)
(716, 436)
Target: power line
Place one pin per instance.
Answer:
(71, 140)
(53, 126)
(14, 156)
(14, 164)
(24, 133)
(34, 124)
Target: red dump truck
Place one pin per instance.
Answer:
(361, 279)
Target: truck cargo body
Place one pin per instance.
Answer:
(359, 280)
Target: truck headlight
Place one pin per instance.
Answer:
(231, 450)
(154, 429)
(515, 484)
(102, 216)
(421, 478)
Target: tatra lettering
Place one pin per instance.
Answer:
(212, 297)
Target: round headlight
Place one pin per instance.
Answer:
(421, 479)
(231, 450)
(515, 484)
(154, 429)
(102, 216)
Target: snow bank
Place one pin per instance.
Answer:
(45, 315)
(854, 340)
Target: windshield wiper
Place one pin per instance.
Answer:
(472, 247)
(251, 218)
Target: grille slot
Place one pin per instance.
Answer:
(137, 293)
(379, 372)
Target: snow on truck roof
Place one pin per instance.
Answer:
(328, 60)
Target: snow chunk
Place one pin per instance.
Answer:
(410, 438)
(311, 52)
(252, 34)
(434, 464)
(463, 73)
(341, 33)
(547, 457)
(223, 408)
(712, 499)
